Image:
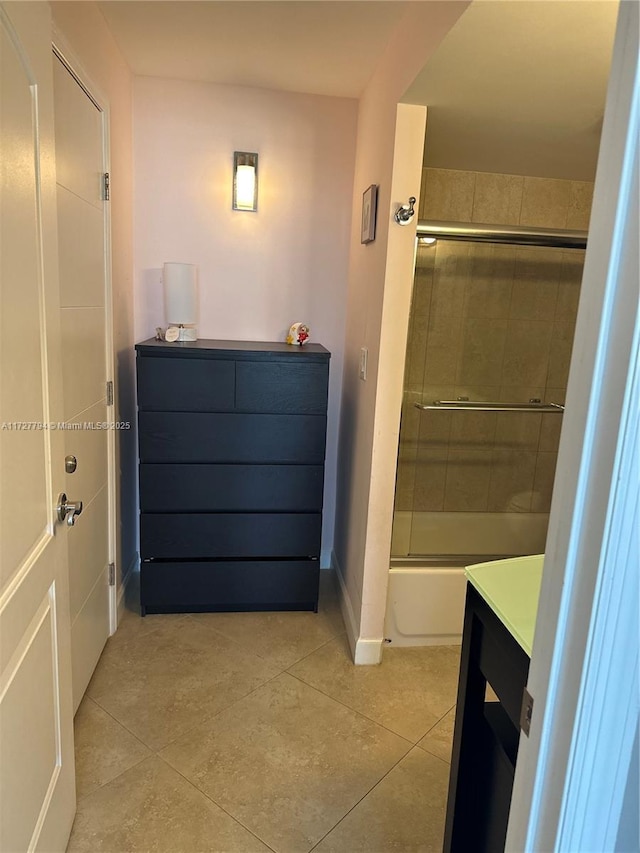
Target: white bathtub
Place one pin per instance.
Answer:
(425, 600)
(425, 605)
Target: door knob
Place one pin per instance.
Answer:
(68, 510)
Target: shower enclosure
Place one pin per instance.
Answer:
(490, 335)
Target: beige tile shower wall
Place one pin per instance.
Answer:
(490, 323)
(495, 199)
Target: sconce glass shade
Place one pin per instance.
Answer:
(245, 181)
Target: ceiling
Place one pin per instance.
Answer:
(321, 47)
(519, 87)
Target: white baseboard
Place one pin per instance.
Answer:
(348, 615)
(365, 652)
(368, 652)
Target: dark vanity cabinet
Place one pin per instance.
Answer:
(231, 439)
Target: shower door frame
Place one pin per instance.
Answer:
(496, 235)
(520, 235)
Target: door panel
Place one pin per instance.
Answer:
(30, 726)
(89, 628)
(81, 229)
(23, 481)
(37, 785)
(87, 552)
(84, 369)
(78, 139)
(89, 446)
(80, 241)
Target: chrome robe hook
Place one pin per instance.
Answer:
(405, 213)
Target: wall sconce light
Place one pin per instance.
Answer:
(245, 181)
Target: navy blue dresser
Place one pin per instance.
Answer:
(231, 439)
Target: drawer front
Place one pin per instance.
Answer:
(231, 488)
(203, 535)
(203, 437)
(278, 387)
(186, 384)
(212, 586)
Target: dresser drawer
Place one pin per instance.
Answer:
(209, 535)
(178, 587)
(231, 488)
(185, 384)
(204, 437)
(280, 387)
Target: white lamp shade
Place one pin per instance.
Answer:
(180, 293)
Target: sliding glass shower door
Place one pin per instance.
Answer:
(490, 324)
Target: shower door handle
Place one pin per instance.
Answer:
(481, 406)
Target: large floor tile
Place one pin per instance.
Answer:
(287, 761)
(131, 624)
(408, 692)
(439, 740)
(405, 813)
(282, 638)
(169, 680)
(152, 808)
(103, 748)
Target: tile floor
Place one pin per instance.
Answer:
(243, 732)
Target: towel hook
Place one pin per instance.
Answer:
(405, 213)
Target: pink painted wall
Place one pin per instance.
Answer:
(258, 272)
(85, 32)
(371, 409)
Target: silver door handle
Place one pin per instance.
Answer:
(68, 510)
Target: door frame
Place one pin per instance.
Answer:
(62, 50)
(572, 771)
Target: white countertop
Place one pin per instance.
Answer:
(511, 588)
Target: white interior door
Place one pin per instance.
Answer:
(81, 236)
(37, 784)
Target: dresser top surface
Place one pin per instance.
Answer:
(236, 349)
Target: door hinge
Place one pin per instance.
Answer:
(112, 574)
(526, 712)
(106, 184)
(110, 392)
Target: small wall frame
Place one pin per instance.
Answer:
(369, 211)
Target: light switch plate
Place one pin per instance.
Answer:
(364, 357)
